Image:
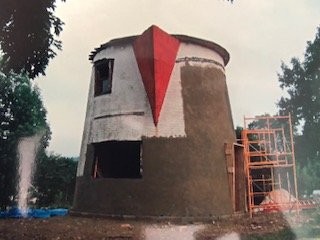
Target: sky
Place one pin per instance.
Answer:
(258, 34)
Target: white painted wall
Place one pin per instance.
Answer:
(129, 95)
(108, 116)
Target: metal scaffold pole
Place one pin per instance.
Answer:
(268, 157)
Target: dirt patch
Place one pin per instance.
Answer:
(107, 229)
(67, 228)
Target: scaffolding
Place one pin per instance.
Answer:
(270, 164)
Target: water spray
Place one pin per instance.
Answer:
(27, 151)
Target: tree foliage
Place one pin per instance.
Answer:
(54, 181)
(28, 35)
(301, 82)
(308, 176)
(21, 114)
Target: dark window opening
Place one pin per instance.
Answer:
(117, 159)
(103, 76)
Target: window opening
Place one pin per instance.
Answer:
(103, 76)
(117, 159)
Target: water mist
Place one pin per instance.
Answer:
(27, 151)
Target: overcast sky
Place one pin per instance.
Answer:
(258, 34)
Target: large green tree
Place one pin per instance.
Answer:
(28, 35)
(301, 82)
(21, 114)
(54, 181)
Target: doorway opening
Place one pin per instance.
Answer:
(117, 159)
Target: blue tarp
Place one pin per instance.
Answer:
(34, 213)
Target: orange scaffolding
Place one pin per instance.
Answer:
(270, 164)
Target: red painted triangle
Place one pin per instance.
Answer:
(156, 52)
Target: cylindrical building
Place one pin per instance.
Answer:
(158, 118)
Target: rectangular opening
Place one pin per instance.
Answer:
(103, 76)
(117, 159)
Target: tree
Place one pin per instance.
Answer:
(238, 131)
(301, 82)
(55, 180)
(21, 114)
(28, 35)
